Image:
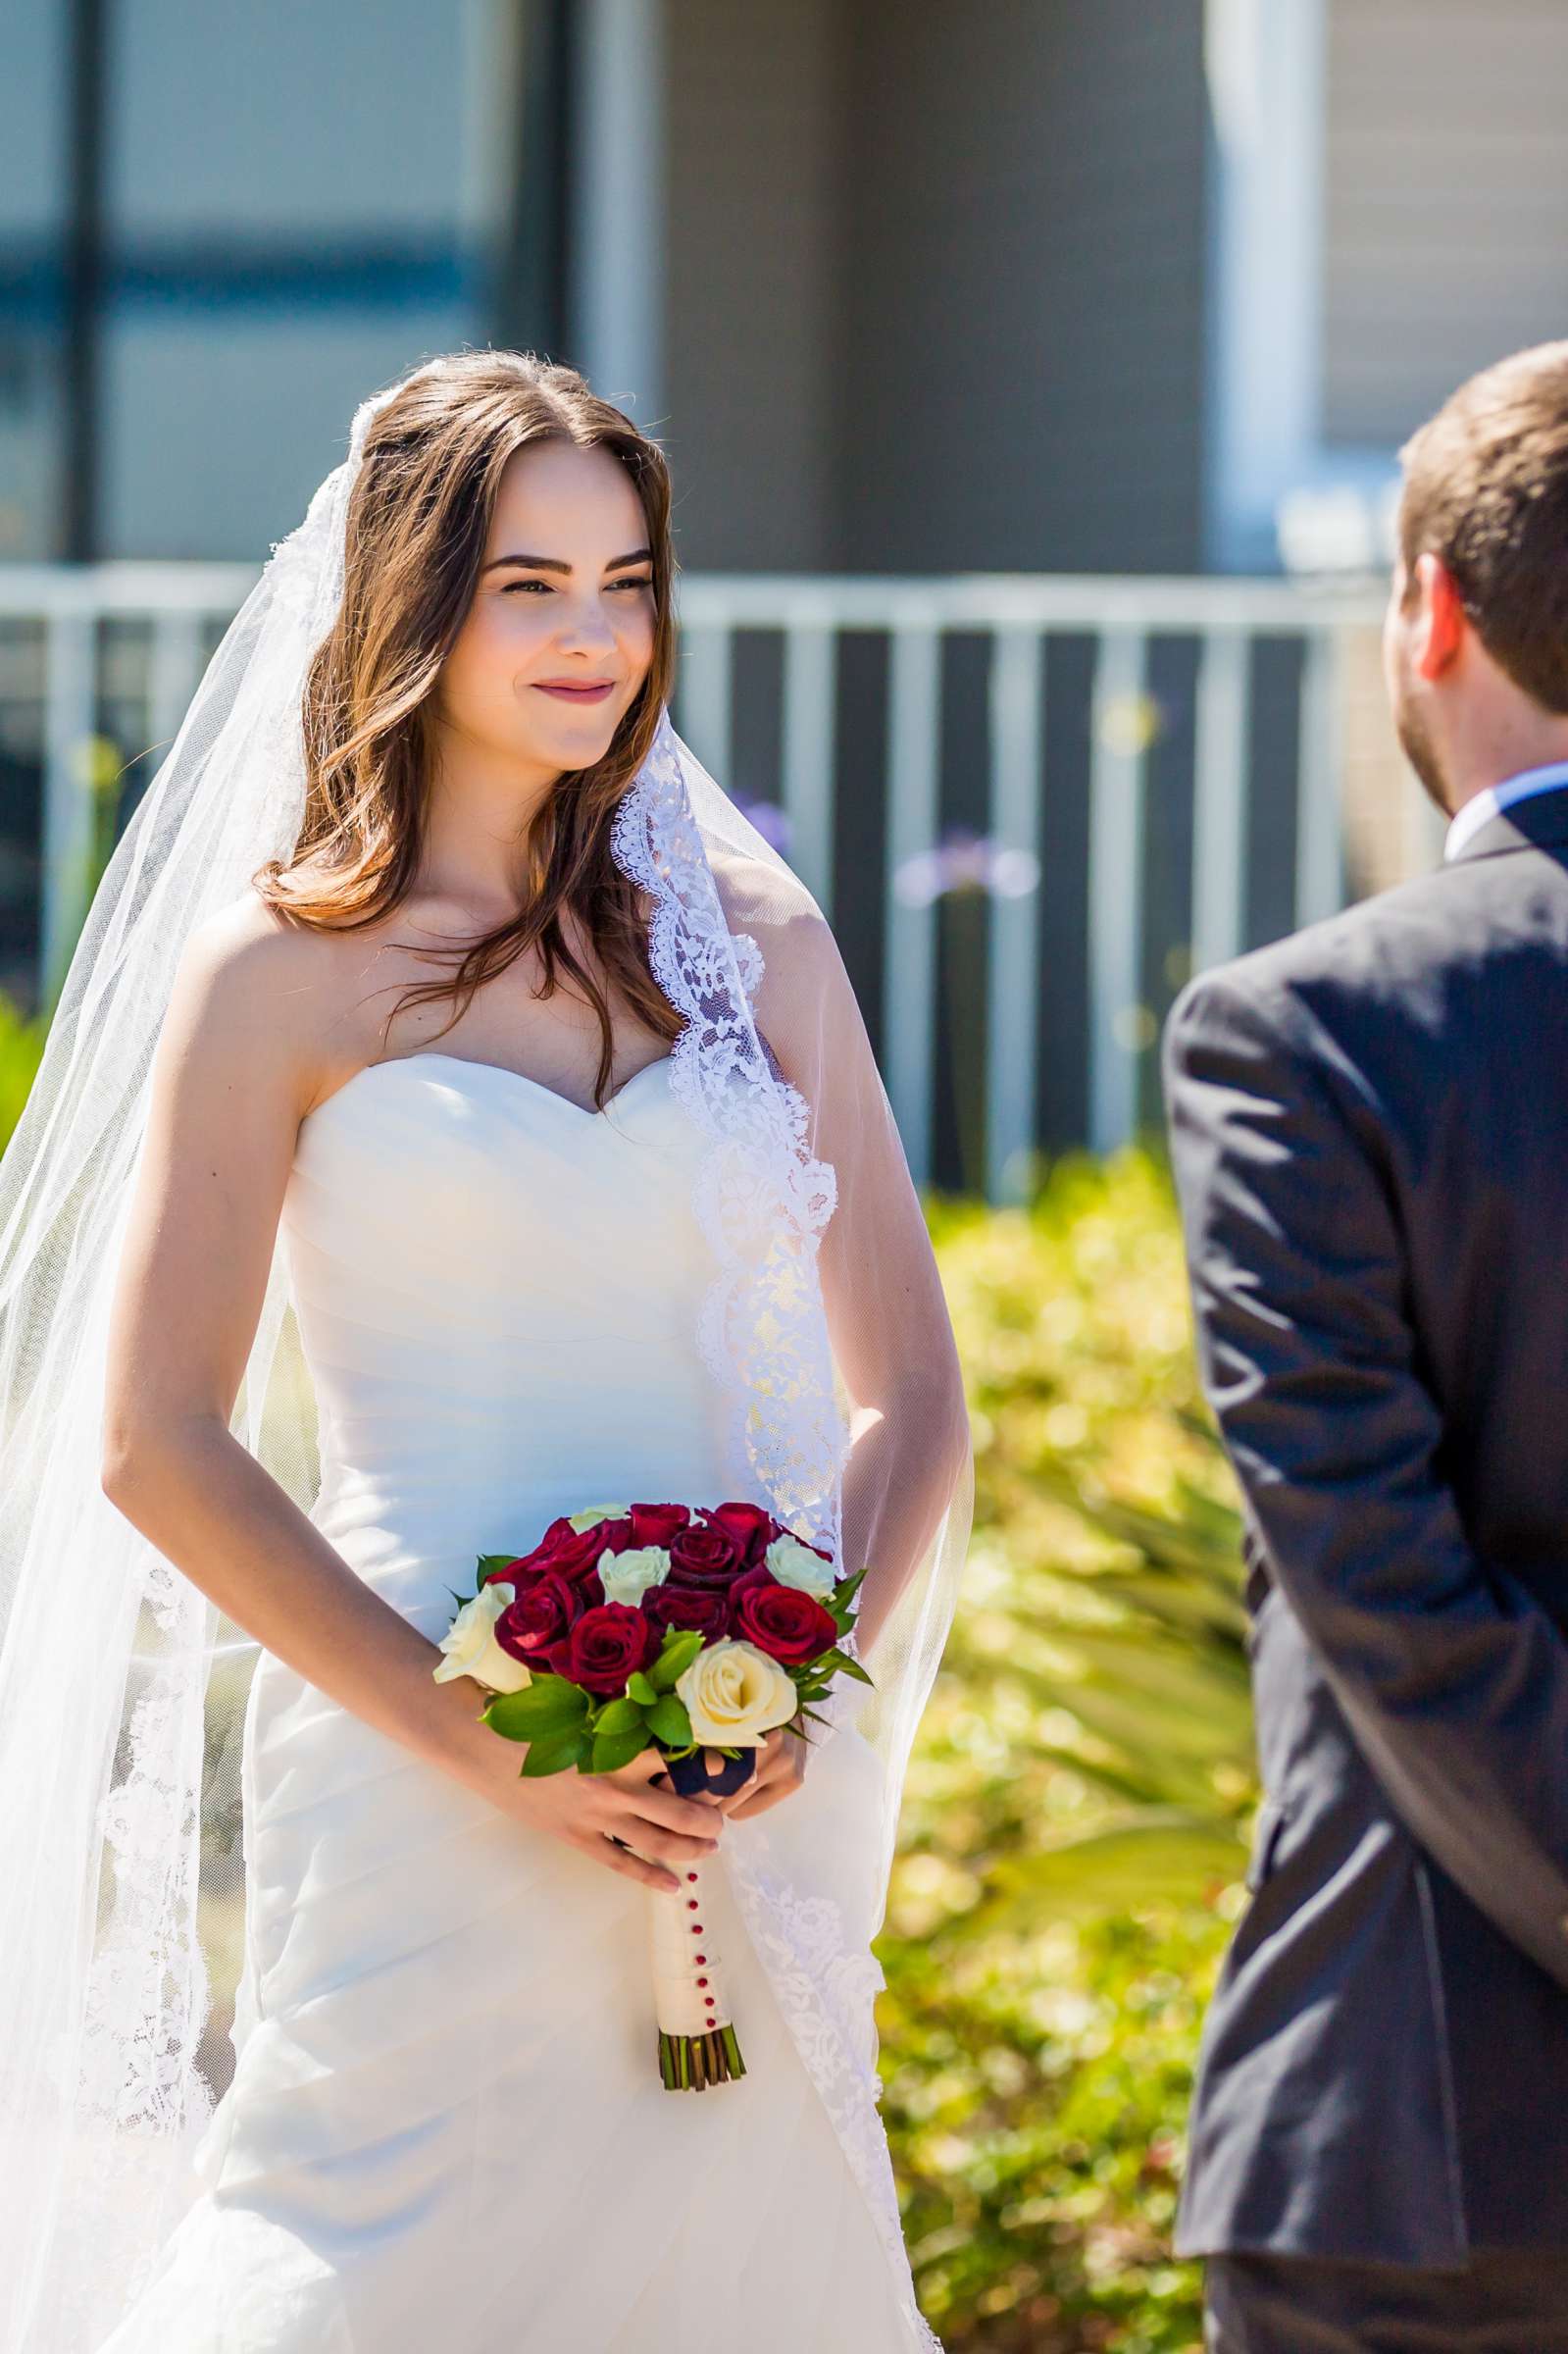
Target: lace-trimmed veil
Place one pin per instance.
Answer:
(120, 1832)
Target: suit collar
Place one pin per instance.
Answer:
(1536, 823)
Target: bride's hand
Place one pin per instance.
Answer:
(778, 1771)
(610, 1816)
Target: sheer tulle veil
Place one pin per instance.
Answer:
(121, 1685)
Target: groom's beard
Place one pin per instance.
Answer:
(1419, 749)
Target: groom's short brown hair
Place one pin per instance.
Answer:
(1486, 489)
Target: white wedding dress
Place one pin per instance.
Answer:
(446, 2133)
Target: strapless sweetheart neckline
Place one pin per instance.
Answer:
(497, 1070)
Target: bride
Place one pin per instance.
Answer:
(456, 1116)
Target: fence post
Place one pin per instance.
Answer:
(703, 694)
(1319, 780)
(909, 969)
(1012, 994)
(1116, 889)
(1220, 799)
(806, 764)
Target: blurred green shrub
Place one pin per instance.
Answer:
(1078, 1809)
(22, 1040)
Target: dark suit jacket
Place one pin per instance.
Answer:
(1368, 1125)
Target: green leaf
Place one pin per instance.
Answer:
(494, 1715)
(669, 1723)
(619, 1717)
(641, 1689)
(614, 1750)
(843, 1665)
(681, 1648)
(491, 1562)
(549, 1705)
(555, 1755)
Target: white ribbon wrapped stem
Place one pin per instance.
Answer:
(697, 2044)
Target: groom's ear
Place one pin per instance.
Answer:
(1440, 618)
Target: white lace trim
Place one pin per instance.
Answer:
(761, 1197)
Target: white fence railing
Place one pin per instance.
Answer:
(58, 610)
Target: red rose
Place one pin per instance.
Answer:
(704, 1556)
(540, 1615)
(790, 1626)
(705, 1607)
(606, 1646)
(656, 1523)
(575, 1553)
(751, 1529)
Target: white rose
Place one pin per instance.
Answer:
(734, 1694)
(627, 1576)
(469, 1647)
(595, 1514)
(796, 1564)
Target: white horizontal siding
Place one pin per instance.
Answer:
(1447, 198)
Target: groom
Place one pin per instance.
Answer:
(1369, 1123)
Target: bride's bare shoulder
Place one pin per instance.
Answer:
(257, 944)
(264, 980)
(771, 905)
(760, 897)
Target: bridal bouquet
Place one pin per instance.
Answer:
(659, 1626)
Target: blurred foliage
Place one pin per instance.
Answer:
(20, 1050)
(1078, 1809)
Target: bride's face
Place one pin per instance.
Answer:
(564, 601)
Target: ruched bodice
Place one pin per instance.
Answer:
(445, 2126)
(483, 1274)
(430, 1289)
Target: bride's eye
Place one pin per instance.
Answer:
(509, 586)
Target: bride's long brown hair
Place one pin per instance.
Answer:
(418, 521)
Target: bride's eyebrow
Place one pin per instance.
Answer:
(638, 555)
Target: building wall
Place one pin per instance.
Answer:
(935, 283)
(289, 220)
(1446, 190)
(934, 278)
(1025, 286)
(753, 235)
(34, 199)
(289, 231)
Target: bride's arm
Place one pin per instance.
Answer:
(235, 1069)
(887, 1318)
(239, 1062)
